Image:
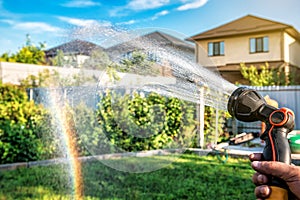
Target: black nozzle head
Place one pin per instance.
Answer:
(244, 104)
(233, 99)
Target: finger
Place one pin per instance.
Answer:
(259, 179)
(256, 157)
(278, 169)
(262, 191)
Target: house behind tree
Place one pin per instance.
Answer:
(75, 51)
(153, 44)
(251, 40)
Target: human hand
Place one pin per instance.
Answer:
(288, 173)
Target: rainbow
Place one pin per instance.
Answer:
(64, 125)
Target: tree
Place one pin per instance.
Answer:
(112, 73)
(98, 60)
(62, 60)
(265, 76)
(138, 64)
(52, 78)
(43, 79)
(5, 57)
(59, 59)
(29, 54)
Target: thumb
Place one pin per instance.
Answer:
(273, 168)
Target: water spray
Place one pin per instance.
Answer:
(247, 105)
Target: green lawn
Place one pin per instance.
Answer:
(188, 177)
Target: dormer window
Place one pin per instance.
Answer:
(216, 48)
(259, 44)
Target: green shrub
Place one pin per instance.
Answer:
(210, 125)
(20, 123)
(90, 138)
(122, 122)
(135, 123)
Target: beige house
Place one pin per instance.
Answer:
(251, 40)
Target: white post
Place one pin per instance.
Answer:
(200, 117)
(31, 94)
(64, 96)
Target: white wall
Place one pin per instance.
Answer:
(14, 72)
(288, 40)
(292, 50)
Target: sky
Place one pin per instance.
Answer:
(53, 22)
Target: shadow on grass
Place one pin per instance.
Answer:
(188, 177)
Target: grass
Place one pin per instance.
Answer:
(188, 177)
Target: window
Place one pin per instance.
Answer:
(216, 49)
(260, 44)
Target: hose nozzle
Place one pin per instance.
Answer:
(247, 105)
